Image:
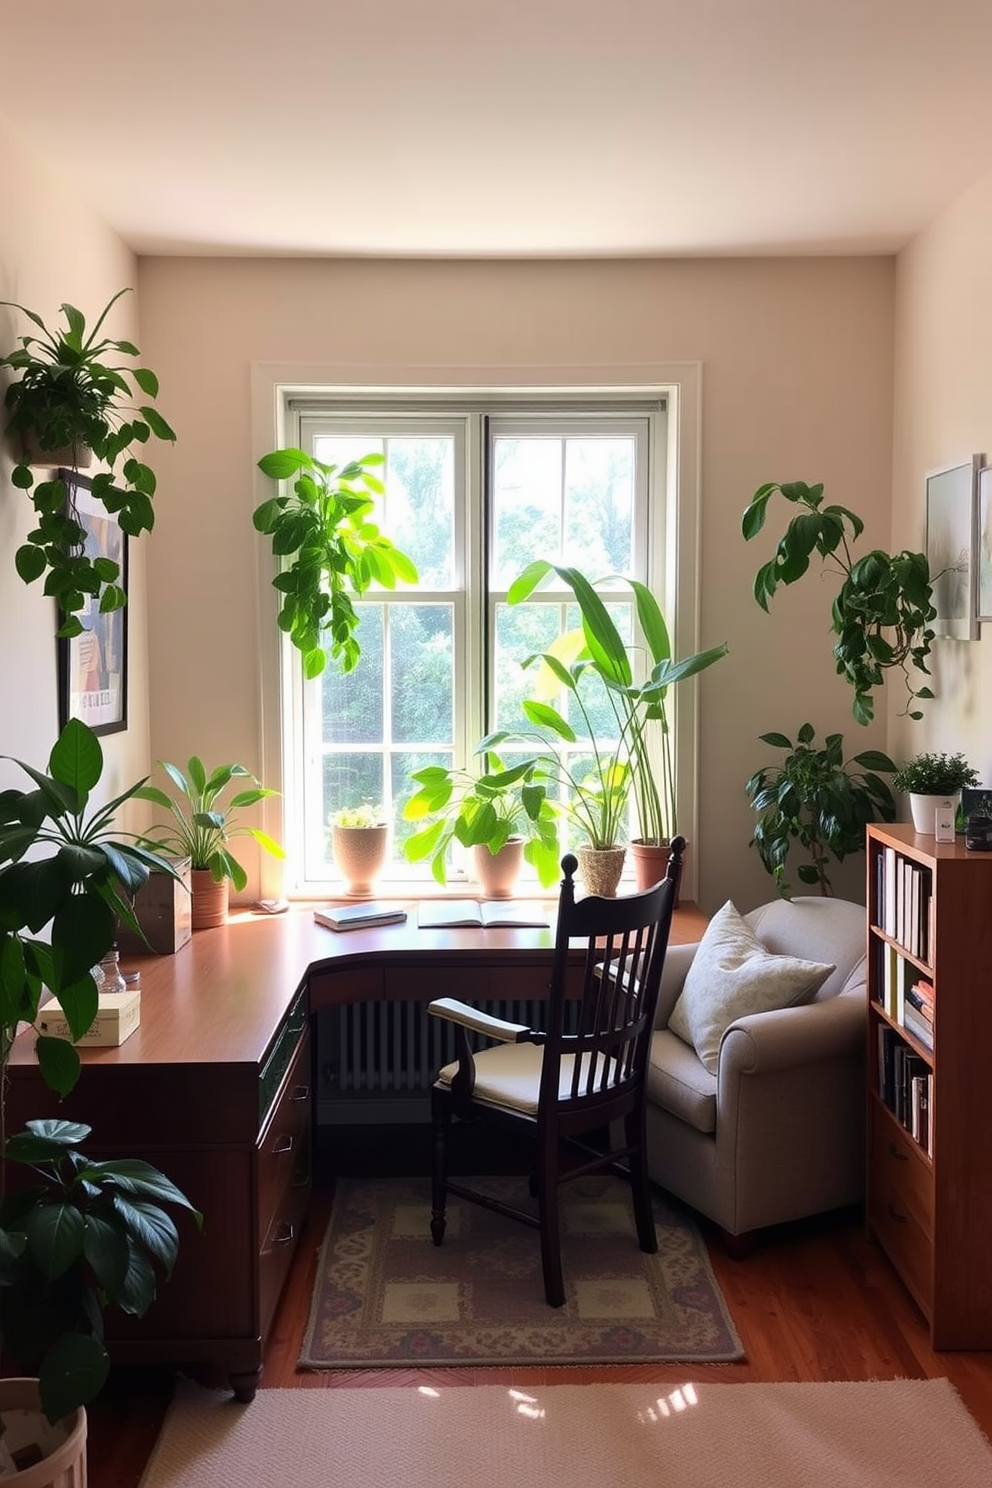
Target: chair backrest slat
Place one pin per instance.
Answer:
(625, 941)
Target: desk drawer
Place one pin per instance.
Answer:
(284, 1145)
(277, 1250)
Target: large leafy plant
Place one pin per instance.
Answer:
(73, 393)
(90, 1233)
(640, 707)
(483, 810)
(204, 824)
(816, 801)
(882, 612)
(324, 526)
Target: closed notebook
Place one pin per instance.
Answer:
(359, 916)
(489, 914)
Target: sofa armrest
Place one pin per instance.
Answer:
(678, 959)
(765, 1042)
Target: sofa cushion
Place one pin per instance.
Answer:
(732, 974)
(678, 1082)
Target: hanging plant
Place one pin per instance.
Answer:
(71, 395)
(337, 552)
(881, 613)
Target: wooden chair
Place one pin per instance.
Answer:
(564, 1086)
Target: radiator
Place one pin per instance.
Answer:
(376, 1061)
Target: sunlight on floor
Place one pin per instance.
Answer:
(529, 1406)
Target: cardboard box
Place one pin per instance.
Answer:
(118, 1015)
(163, 909)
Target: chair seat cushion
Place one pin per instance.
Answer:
(509, 1076)
(679, 1083)
(732, 974)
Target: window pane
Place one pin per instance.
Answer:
(420, 505)
(599, 504)
(351, 702)
(422, 645)
(527, 482)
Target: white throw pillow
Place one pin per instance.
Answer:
(732, 974)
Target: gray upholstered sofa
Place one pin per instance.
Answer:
(779, 1131)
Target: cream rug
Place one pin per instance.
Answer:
(892, 1434)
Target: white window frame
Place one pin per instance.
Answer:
(673, 530)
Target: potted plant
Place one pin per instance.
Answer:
(359, 846)
(816, 800)
(504, 815)
(589, 786)
(202, 830)
(932, 780)
(72, 396)
(90, 1233)
(336, 551)
(882, 612)
(640, 707)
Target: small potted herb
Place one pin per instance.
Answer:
(931, 780)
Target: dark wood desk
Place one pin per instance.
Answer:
(215, 1087)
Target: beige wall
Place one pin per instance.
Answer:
(797, 376)
(943, 415)
(53, 248)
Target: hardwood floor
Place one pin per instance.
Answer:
(813, 1301)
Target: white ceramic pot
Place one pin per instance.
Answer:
(360, 856)
(924, 810)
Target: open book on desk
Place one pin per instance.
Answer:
(489, 914)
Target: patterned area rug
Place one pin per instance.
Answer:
(386, 1295)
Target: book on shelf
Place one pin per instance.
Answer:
(920, 1002)
(489, 914)
(359, 916)
(918, 1026)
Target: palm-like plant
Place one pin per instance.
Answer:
(201, 830)
(640, 709)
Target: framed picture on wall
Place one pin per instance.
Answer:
(983, 543)
(951, 522)
(92, 666)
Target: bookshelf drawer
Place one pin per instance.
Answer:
(899, 1174)
(908, 1247)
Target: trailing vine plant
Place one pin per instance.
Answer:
(73, 393)
(881, 613)
(337, 552)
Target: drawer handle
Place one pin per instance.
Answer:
(300, 1179)
(282, 1144)
(898, 1153)
(285, 1236)
(300, 1093)
(895, 1214)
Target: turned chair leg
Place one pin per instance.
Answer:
(640, 1185)
(441, 1120)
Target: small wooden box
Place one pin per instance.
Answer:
(162, 907)
(118, 1015)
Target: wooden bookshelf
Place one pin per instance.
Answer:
(929, 1198)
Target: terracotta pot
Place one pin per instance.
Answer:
(208, 907)
(64, 1444)
(498, 872)
(600, 868)
(650, 861)
(360, 855)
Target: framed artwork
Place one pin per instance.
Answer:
(983, 544)
(93, 666)
(951, 523)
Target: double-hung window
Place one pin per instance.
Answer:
(477, 487)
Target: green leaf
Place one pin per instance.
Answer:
(58, 1062)
(72, 1373)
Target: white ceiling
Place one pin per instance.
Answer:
(505, 127)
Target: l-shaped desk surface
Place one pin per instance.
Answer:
(214, 1087)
